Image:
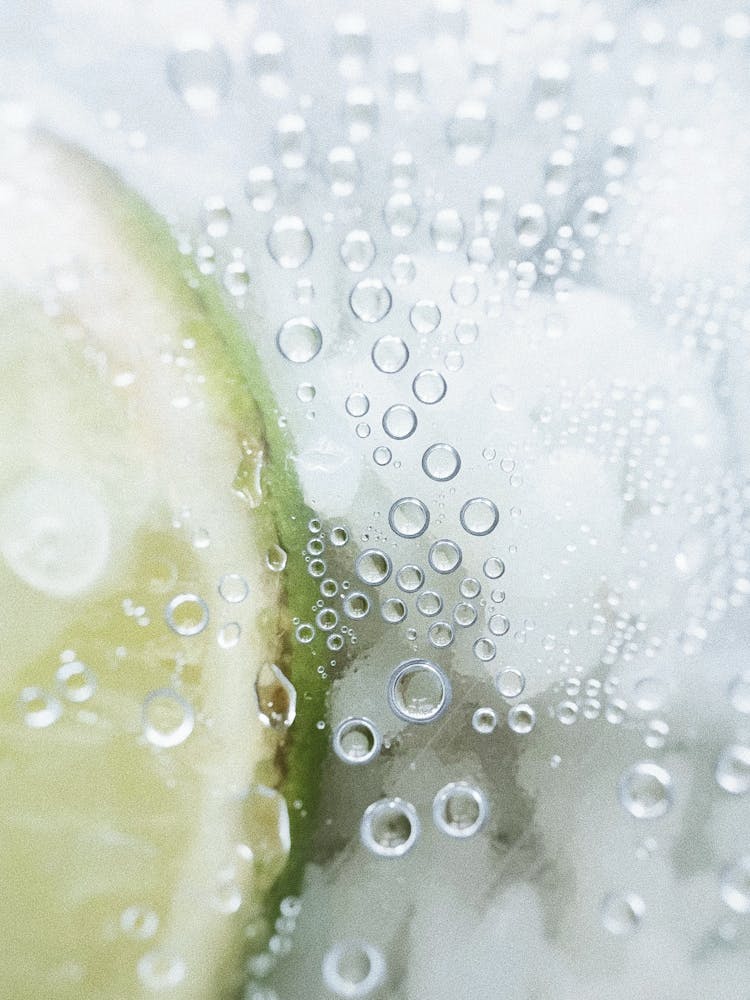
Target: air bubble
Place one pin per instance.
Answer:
(356, 741)
(521, 719)
(531, 225)
(403, 269)
(429, 386)
(75, 681)
(440, 635)
(357, 404)
(353, 969)
(291, 141)
(410, 578)
(393, 610)
(39, 708)
(233, 588)
(460, 810)
(401, 214)
(444, 556)
(370, 300)
(510, 682)
(646, 790)
(276, 559)
(498, 625)
(289, 242)
(200, 73)
(447, 230)
(167, 718)
(469, 132)
(441, 462)
(418, 691)
(733, 770)
(479, 516)
(299, 340)
(399, 421)
(493, 568)
(276, 697)
(356, 605)
(357, 250)
(158, 971)
(464, 615)
(390, 354)
(229, 635)
(343, 172)
(390, 827)
(187, 614)
(429, 604)
(139, 923)
(261, 189)
(373, 567)
(382, 455)
(470, 588)
(735, 884)
(409, 517)
(425, 316)
(484, 649)
(621, 913)
(484, 721)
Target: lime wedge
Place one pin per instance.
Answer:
(146, 509)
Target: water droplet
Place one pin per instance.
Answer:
(425, 316)
(373, 567)
(735, 884)
(510, 682)
(187, 614)
(276, 696)
(441, 462)
(447, 230)
(75, 681)
(382, 455)
(353, 969)
(167, 718)
(299, 340)
(469, 131)
(390, 827)
(200, 73)
(357, 250)
(521, 719)
(229, 635)
(479, 516)
(403, 269)
(410, 578)
(399, 421)
(39, 708)
(370, 300)
(484, 721)
(390, 354)
(531, 225)
(733, 770)
(504, 397)
(289, 242)
(429, 386)
(216, 217)
(492, 207)
(418, 691)
(444, 556)
(464, 290)
(236, 278)
(460, 810)
(401, 214)
(621, 913)
(360, 113)
(356, 741)
(409, 517)
(646, 790)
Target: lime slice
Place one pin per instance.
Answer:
(145, 512)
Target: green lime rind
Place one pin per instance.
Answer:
(235, 365)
